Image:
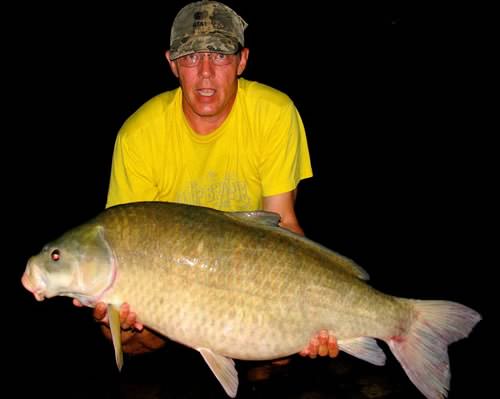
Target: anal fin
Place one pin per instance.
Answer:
(223, 369)
(365, 348)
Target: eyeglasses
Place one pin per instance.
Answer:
(217, 59)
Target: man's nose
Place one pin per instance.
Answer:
(206, 66)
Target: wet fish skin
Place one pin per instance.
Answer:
(234, 285)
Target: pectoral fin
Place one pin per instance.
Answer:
(114, 325)
(364, 348)
(224, 370)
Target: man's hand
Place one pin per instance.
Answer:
(323, 344)
(128, 319)
(135, 338)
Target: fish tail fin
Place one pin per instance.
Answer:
(423, 350)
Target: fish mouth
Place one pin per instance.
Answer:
(34, 283)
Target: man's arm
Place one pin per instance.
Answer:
(284, 205)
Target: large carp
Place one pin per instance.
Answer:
(237, 286)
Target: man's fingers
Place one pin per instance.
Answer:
(100, 312)
(333, 348)
(323, 343)
(304, 352)
(124, 314)
(323, 350)
(313, 347)
(128, 319)
(323, 337)
(138, 326)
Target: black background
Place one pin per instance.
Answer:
(393, 101)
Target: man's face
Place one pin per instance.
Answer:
(209, 82)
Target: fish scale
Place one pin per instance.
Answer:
(236, 285)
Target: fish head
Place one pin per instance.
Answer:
(80, 264)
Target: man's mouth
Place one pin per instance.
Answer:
(206, 92)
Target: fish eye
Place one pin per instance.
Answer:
(55, 255)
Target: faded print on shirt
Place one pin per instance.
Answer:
(224, 193)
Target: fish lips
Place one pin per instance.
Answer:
(34, 282)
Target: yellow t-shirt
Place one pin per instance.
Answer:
(260, 150)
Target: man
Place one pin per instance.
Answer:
(218, 141)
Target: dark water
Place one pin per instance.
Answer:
(404, 178)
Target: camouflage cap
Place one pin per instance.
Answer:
(206, 26)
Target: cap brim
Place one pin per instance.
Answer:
(214, 42)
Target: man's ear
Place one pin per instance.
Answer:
(173, 65)
(243, 60)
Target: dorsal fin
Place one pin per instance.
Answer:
(270, 221)
(339, 260)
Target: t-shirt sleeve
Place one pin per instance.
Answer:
(285, 158)
(131, 176)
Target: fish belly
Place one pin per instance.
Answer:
(262, 324)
